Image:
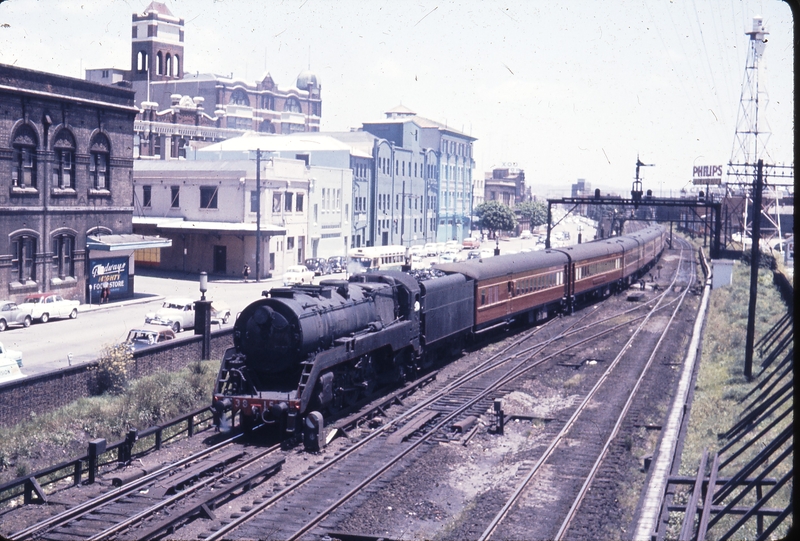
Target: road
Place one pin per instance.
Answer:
(56, 344)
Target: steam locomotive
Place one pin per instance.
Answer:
(322, 348)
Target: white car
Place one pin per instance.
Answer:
(416, 250)
(525, 235)
(175, 313)
(430, 250)
(43, 306)
(297, 274)
(7, 355)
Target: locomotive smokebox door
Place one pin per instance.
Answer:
(312, 433)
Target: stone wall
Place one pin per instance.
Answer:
(41, 393)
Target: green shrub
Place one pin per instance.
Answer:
(111, 372)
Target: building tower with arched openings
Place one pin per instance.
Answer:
(157, 45)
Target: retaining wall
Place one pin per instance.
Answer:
(41, 393)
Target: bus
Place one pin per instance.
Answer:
(374, 258)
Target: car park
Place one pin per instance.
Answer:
(337, 263)
(319, 265)
(297, 274)
(175, 313)
(145, 337)
(10, 314)
(10, 355)
(44, 306)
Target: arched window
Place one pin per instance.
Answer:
(292, 105)
(168, 71)
(159, 64)
(177, 66)
(267, 127)
(239, 97)
(64, 161)
(64, 255)
(99, 170)
(25, 143)
(142, 61)
(23, 253)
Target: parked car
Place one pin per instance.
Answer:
(431, 249)
(338, 263)
(474, 254)
(526, 234)
(447, 257)
(452, 245)
(319, 265)
(10, 355)
(175, 313)
(9, 369)
(416, 250)
(471, 243)
(220, 313)
(43, 306)
(142, 338)
(10, 314)
(297, 274)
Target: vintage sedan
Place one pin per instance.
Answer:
(10, 355)
(297, 274)
(220, 313)
(10, 314)
(43, 306)
(175, 313)
(142, 338)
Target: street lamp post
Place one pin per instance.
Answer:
(202, 317)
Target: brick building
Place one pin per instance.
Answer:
(181, 112)
(66, 189)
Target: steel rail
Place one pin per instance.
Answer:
(596, 466)
(570, 422)
(89, 505)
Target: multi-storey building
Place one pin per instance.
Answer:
(182, 111)
(505, 184)
(66, 171)
(423, 180)
(209, 205)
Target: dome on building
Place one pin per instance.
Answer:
(306, 78)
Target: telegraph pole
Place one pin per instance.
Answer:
(258, 214)
(758, 185)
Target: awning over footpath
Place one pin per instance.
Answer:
(117, 243)
(187, 226)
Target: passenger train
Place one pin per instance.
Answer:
(326, 347)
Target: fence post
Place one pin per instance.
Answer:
(191, 426)
(158, 438)
(96, 448)
(76, 479)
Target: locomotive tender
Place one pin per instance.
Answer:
(325, 347)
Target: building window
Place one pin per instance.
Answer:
(292, 105)
(208, 197)
(147, 196)
(276, 202)
(287, 202)
(175, 197)
(98, 163)
(23, 175)
(23, 251)
(239, 97)
(289, 243)
(299, 206)
(63, 255)
(64, 164)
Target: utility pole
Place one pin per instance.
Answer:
(258, 214)
(758, 185)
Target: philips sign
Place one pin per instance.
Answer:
(707, 174)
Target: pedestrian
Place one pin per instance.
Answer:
(104, 293)
(246, 271)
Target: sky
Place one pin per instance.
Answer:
(565, 90)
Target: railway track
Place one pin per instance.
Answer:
(345, 475)
(308, 504)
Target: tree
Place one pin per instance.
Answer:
(535, 212)
(495, 216)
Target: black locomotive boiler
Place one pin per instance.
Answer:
(325, 347)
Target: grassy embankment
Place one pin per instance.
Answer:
(121, 405)
(721, 388)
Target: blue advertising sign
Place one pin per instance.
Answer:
(108, 279)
